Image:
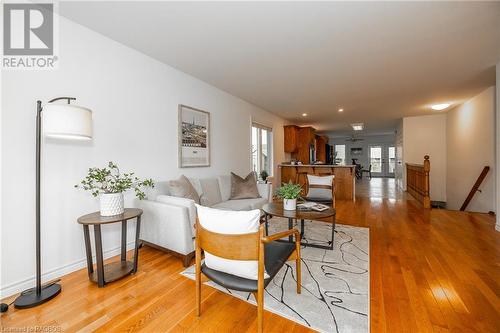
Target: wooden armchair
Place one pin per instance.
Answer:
(327, 201)
(271, 256)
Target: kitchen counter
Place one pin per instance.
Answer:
(345, 180)
(319, 165)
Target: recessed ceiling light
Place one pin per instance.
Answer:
(341, 110)
(357, 126)
(304, 115)
(439, 107)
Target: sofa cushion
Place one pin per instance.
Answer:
(230, 223)
(224, 187)
(244, 188)
(243, 204)
(182, 188)
(210, 192)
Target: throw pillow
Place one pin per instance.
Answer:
(232, 223)
(244, 188)
(319, 187)
(183, 188)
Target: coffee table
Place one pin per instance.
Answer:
(276, 209)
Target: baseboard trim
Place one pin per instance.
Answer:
(497, 227)
(16, 287)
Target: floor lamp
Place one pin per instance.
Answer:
(63, 121)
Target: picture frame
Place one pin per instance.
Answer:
(194, 137)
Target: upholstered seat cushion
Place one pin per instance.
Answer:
(276, 254)
(242, 204)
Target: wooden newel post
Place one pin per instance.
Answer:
(427, 169)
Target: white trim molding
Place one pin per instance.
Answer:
(21, 285)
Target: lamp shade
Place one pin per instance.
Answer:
(67, 121)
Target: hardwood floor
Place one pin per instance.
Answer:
(431, 271)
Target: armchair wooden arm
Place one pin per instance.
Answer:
(282, 234)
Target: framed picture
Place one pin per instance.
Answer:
(194, 137)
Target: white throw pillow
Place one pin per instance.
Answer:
(233, 223)
(320, 193)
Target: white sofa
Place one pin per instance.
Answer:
(168, 222)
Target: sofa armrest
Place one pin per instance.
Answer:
(166, 225)
(183, 202)
(265, 191)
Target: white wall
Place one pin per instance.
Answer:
(426, 135)
(134, 101)
(368, 140)
(470, 131)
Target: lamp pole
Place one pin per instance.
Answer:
(40, 294)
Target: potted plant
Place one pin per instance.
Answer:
(289, 193)
(109, 184)
(264, 175)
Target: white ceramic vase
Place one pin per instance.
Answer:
(111, 204)
(289, 204)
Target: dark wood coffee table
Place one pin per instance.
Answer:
(115, 270)
(276, 209)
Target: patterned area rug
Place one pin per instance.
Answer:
(335, 283)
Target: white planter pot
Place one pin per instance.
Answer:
(289, 204)
(111, 204)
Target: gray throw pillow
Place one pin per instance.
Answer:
(244, 188)
(182, 188)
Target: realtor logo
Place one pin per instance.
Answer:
(28, 36)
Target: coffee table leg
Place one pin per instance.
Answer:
(301, 228)
(136, 250)
(99, 256)
(290, 226)
(266, 224)
(88, 249)
(333, 231)
(124, 241)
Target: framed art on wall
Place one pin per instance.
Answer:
(194, 137)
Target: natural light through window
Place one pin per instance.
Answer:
(340, 154)
(262, 149)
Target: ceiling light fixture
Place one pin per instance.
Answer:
(439, 107)
(304, 115)
(357, 126)
(341, 110)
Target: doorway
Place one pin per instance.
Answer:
(382, 159)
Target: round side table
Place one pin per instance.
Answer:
(116, 270)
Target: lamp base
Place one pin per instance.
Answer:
(31, 298)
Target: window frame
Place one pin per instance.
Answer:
(259, 152)
(345, 153)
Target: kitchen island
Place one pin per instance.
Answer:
(345, 180)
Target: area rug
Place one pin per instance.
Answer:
(335, 283)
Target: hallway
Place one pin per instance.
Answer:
(379, 188)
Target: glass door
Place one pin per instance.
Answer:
(375, 158)
(382, 159)
(391, 165)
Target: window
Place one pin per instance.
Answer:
(339, 154)
(376, 159)
(262, 143)
(392, 159)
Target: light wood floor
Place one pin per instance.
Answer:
(434, 271)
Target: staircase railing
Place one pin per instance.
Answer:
(475, 188)
(417, 181)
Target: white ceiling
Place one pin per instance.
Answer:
(379, 61)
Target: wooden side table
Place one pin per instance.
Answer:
(116, 270)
